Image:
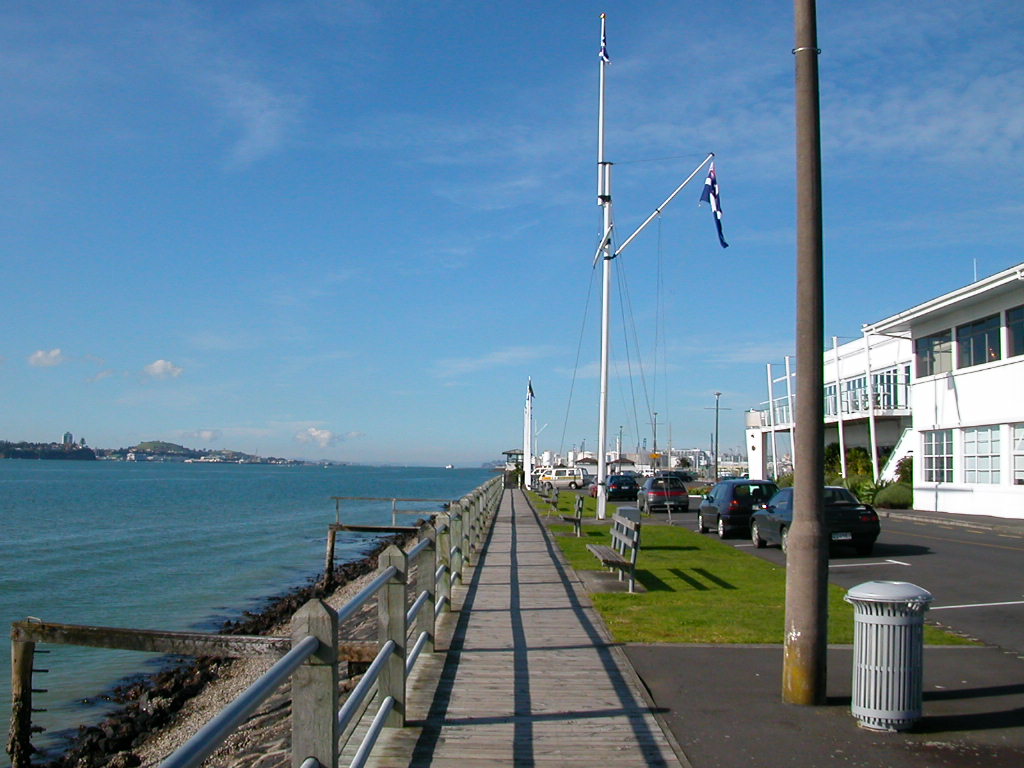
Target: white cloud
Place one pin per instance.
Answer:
(262, 117)
(163, 369)
(321, 437)
(44, 359)
(460, 366)
(100, 376)
(206, 435)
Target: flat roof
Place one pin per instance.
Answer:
(1001, 282)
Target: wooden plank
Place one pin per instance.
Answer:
(153, 641)
(178, 643)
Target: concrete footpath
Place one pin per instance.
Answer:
(723, 704)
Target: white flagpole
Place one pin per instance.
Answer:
(527, 438)
(604, 199)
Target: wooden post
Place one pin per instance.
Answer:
(456, 540)
(466, 541)
(425, 582)
(19, 745)
(332, 534)
(315, 688)
(444, 557)
(391, 623)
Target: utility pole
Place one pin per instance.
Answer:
(654, 448)
(714, 437)
(806, 638)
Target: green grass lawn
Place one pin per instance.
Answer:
(701, 590)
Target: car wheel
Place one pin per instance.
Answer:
(755, 536)
(573, 485)
(864, 549)
(785, 540)
(722, 532)
(701, 528)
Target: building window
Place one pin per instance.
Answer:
(1018, 454)
(934, 354)
(938, 456)
(981, 455)
(978, 342)
(1015, 332)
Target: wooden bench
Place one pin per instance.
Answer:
(576, 518)
(625, 547)
(551, 497)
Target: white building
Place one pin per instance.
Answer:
(943, 381)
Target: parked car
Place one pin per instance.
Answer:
(847, 521)
(660, 494)
(729, 504)
(619, 487)
(686, 477)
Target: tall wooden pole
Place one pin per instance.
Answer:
(806, 641)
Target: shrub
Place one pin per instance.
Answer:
(905, 470)
(895, 496)
(784, 481)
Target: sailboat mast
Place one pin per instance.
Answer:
(604, 199)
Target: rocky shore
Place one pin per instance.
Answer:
(163, 711)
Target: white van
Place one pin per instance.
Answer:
(565, 477)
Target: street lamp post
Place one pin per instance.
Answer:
(717, 396)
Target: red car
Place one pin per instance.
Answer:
(663, 494)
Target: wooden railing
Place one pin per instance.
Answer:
(310, 656)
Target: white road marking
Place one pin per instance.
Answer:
(863, 565)
(976, 605)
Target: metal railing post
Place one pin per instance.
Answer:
(391, 623)
(426, 581)
(315, 688)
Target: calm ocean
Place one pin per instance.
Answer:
(172, 547)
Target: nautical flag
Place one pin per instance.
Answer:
(529, 389)
(710, 195)
(604, 47)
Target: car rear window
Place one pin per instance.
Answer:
(668, 484)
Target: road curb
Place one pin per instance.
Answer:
(940, 519)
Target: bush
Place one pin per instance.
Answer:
(784, 481)
(895, 496)
(905, 470)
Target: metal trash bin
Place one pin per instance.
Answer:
(888, 650)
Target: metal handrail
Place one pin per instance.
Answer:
(415, 551)
(355, 698)
(213, 734)
(410, 660)
(421, 600)
(370, 739)
(353, 605)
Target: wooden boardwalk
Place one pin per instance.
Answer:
(525, 674)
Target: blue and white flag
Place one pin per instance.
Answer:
(710, 195)
(604, 48)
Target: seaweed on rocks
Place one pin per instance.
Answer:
(152, 702)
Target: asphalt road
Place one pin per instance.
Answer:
(976, 577)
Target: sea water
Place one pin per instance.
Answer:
(171, 546)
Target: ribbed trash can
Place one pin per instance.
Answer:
(888, 650)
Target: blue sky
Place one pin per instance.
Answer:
(352, 230)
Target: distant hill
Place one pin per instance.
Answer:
(165, 449)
